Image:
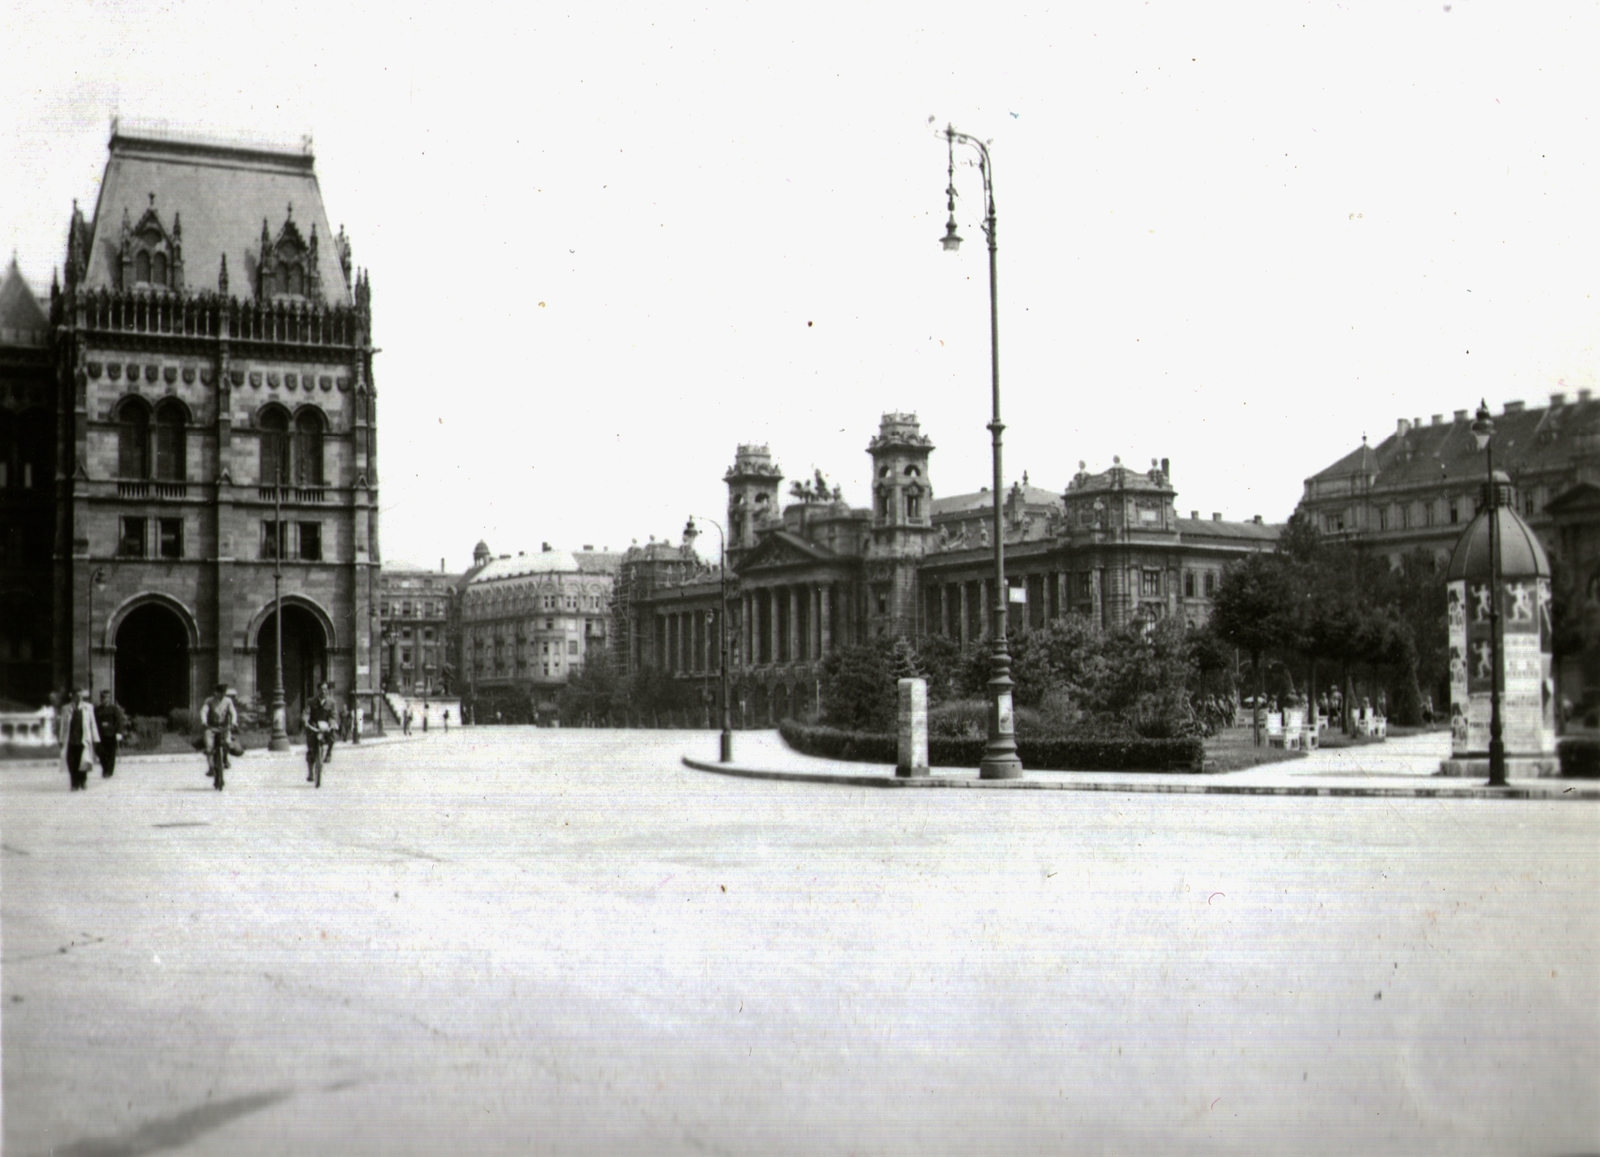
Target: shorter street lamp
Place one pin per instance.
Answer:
(689, 532)
(1483, 432)
(97, 579)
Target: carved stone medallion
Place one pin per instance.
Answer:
(326, 382)
(114, 371)
(152, 372)
(344, 384)
(188, 375)
(272, 381)
(170, 373)
(291, 381)
(94, 370)
(207, 375)
(255, 379)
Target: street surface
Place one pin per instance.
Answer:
(529, 941)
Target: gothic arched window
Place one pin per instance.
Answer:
(133, 439)
(308, 448)
(170, 455)
(158, 269)
(141, 267)
(274, 423)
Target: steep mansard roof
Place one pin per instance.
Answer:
(222, 193)
(22, 319)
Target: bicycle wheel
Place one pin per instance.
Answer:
(220, 762)
(316, 768)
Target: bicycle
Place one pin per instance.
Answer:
(217, 759)
(318, 739)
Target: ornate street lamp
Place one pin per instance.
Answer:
(280, 731)
(689, 533)
(1000, 760)
(1483, 432)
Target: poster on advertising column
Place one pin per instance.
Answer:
(1456, 602)
(1521, 703)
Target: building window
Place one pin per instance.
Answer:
(1455, 513)
(141, 266)
(308, 431)
(133, 439)
(1211, 584)
(572, 646)
(311, 541)
(170, 466)
(549, 624)
(274, 468)
(131, 544)
(171, 537)
(274, 538)
(913, 506)
(1528, 505)
(1188, 584)
(1151, 584)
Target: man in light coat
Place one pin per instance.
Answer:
(79, 736)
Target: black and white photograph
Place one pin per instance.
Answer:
(643, 579)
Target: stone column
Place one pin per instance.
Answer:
(824, 624)
(791, 595)
(965, 616)
(773, 636)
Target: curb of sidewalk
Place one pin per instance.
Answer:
(1187, 786)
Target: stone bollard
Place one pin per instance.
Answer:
(913, 729)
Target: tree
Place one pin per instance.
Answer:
(858, 687)
(1250, 610)
(591, 693)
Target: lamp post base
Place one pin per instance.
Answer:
(727, 747)
(1000, 764)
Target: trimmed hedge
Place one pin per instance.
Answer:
(1043, 753)
(1580, 755)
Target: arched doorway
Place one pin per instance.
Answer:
(152, 663)
(305, 660)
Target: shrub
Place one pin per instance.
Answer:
(147, 732)
(958, 718)
(1580, 755)
(1043, 753)
(181, 720)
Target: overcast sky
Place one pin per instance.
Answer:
(607, 243)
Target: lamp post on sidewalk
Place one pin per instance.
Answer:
(280, 732)
(689, 533)
(1483, 432)
(97, 579)
(1000, 760)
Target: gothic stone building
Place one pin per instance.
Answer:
(27, 494)
(214, 426)
(1420, 486)
(818, 574)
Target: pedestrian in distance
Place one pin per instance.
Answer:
(112, 723)
(424, 719)
(405, 721)
(218, 717)
(447, 721)
(79, 738)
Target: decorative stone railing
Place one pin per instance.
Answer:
(299, 322)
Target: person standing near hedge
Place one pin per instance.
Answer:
(112, 722)
(79, 737)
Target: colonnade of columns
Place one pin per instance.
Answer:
(686, 641)
(792, 624)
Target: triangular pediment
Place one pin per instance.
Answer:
(782, 549)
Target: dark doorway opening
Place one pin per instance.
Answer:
(152, 664)
(305, 661)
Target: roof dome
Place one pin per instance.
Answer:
(1521, 553)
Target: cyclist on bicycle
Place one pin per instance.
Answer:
(220, 717)
(321, 716)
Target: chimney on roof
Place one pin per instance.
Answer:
(522, 554)
(1438, 420)
(1583, 394)
(1256, 520)
(1216, 516)
(1402, 427)
(545, 547)
(1460, 416)
(1514, 407)
(1557, 400)
(1416, 423)
(1166, 469)
(588, 546)
(441, 566)
(1194, 515)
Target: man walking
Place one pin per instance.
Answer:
(112, 723)
(321, 716)
(79, 737)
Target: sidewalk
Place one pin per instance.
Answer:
(1396, 768)
(124, 757)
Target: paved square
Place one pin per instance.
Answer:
(517, 941)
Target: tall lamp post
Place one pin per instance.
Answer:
(690, 532)
(1483, 432)
(280, 732)
(97, 579)
(1000, 760)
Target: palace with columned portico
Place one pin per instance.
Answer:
(814, 574)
